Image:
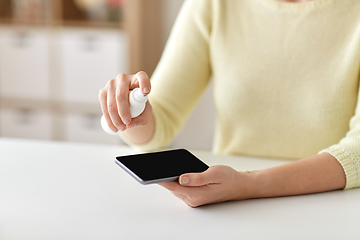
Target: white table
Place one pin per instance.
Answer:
(75, 191)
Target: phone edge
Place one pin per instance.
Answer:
(143, 182)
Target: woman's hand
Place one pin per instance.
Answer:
(318, 173)
(114, 101)
(217, 184)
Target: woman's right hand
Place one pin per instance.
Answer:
(114, 101)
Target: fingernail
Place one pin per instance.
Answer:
(145, 90)
(127, 121)
(184, 180)
(123, 128)
(133, 125)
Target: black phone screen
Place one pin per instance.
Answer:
(161, 166)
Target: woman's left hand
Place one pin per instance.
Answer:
(217, 184)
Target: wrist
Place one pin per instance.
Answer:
(250, 184)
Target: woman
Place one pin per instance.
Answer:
(285, 77)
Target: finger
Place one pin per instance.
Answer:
(122, 98)
(103, 104)
(210, 176)
(185, 199)
(141, 80)
(172, 186)
(112, 106)
(192, 196)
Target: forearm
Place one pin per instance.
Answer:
(318, 173)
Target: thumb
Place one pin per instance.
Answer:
(198, 179)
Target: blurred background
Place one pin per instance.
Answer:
(55, 56)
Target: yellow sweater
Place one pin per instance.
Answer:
(285, 75)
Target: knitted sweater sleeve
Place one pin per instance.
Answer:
(347, 151)
(182, 73)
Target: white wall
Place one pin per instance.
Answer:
(170, 9)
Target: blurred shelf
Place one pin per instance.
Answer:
(90, 24)
(12, 22)
(57, 24)
(60, 12)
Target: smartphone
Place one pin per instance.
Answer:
(161, 166)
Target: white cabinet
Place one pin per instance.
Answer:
(24, 81)
(24, 63)
(87, 128)
(25, 123)
(62, 70)
(88, 59)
